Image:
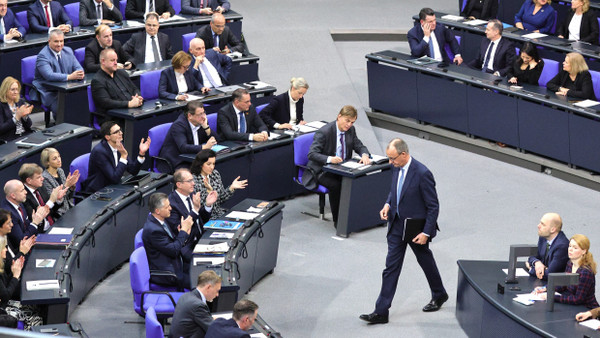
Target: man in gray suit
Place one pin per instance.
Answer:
(192, 316)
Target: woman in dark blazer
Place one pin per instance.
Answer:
(169, 88)
(480, 9)
(528, 67)
(278, 114)
(54, 176)
(14, 112)
(574, 79)
(586, 30)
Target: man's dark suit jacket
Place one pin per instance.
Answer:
(136, 47)
(418, 46)
(20, 229)
(102, 170)
(167, 86)
(107, 95)
(31, 204)
(225, 39)
(588, 31)
(193, 6)
(557, 257)
(164, 253)
(91, 63)
(227, 126)
(36, 16)
(582, 87)
(87, 13)
(324, 145)
(489, 11)
(192, 317)
(8, 127)
(10, 21)
(278, 110)
(228, 328)
(503, 59)
(222, 64)
(135, 9)
(179, 140)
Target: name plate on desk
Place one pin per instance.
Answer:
(48, 284)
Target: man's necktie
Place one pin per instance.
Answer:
(343, 149)
(431, 50)
(166, 227)
(47, 16)
(215, 40)
(546, 254)
(155, 49)
(207, 74)
(242, 122)
(151, 6)
(23, 216)
(38, 196)
(400, 184)
(2, 31)
(202, 5)
(189, 201)
(99, 12)
(488, 56)
(60, 64)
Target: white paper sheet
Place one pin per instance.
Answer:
(518, 273)
(241, 215)
(60, 231)
(534, 35)
(593, 324)
(48, 284)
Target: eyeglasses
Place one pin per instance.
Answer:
(392, 159)
(116, 131)
(188, 181)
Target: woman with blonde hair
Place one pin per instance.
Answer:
(54, 176)
(580, 24)
(536, 16)
(14, 112)
(574, 79)
(287, 109)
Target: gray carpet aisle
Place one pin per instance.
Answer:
(322, 284)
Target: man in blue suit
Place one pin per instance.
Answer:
(10, 28)
(45, 14)
(553, 247)
(109, 160)
(212, 68)
(412, 197)
(204, 7)
(496, 55)
(244, 315)
(23, 227)
(163, 245)
(422, 42)
(55, 63)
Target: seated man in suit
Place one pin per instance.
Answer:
(55, 63)
(163, 246)
(244, 315)
(286, 110)
(103, 40)
(238, 121)
(334, 143)
(496, 55)
(138, 9)
(109, 160)
(94, 12)
(553, 247)
(422, 42)
(204, 7)
(149, 46)
(31, 176)
(23, 227)
(219, 37)
(111, 87)
(189, 134)
(192, 316)
(10, 27)
(45, 14)
(212, 68)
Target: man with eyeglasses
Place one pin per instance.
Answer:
(189, 134)
(244, 315)
(149, 46)
(219, 37)
(109, 159)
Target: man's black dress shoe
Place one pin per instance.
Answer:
(374, 318)
(435, 304)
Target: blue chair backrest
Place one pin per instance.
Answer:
(596, 82)
(80, 55)
(550, 70)
(260, 108)
(185, 40)
(301, 147)
(212, 121)
(122, 5)
(157, 134)
(149, 84)
(517, 51)
(449, 50)
(176, 4)
(464, 4)
(80, 163)
(139, 274)
(138, 242)
(91, 105)
(28, 69)
(153, 327)
(22, 17)
(72, 10)
(598, 35)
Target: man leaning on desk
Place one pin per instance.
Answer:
(553, 246)
(238, 121)
(204, 7)
(422, 42)
(496, 55)
(10, 27)
(334, 143)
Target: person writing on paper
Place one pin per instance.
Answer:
(574, 80)
(480, 9)
(528, 67)
(581, 24)
(54, 176)
(244, 315)
(593, 313)
(553, 245)
(429, 39)
(536, 16)
(286, 110)
(14, 112)
(208, 179)
(581, 261)
(189, 134)
(179, 79)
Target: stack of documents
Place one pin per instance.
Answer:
(476, 22)
(451, 17)
(212, 249)
(241, 215)
(527, 298)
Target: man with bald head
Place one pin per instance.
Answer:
(15, 193)
(10, 27)
(104, 39)
(553, 246)
(211, 68)
(219, 37)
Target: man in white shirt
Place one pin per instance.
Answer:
(422, 42)
(212, 68)
(149, 46)
(496, 55)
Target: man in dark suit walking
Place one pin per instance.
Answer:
(496, 55)
(553, 247)
(238, 121)
(422, 42)
(334, 143)
(244, 315)
(149, 46)
(412, 197)
(219, 37)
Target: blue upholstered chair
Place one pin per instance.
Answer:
(27, 75)
(212, 121)
(122, 5)
(185, 40)
(261, 107)
(149, 84)
(153, 327)
(72, 10)
(157, 134)
(138, 242)
(449, 51)
(80, 55)
(301, 147)
(80, 163)
(596, 82)
(550, 70)
(22, 17)
(176, 4)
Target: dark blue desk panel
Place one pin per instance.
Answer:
(584, 141)
(272, 169)
(386, 84)
(434, 93)
(493, 116)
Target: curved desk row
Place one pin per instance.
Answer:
(508, 8)
(484, 105)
